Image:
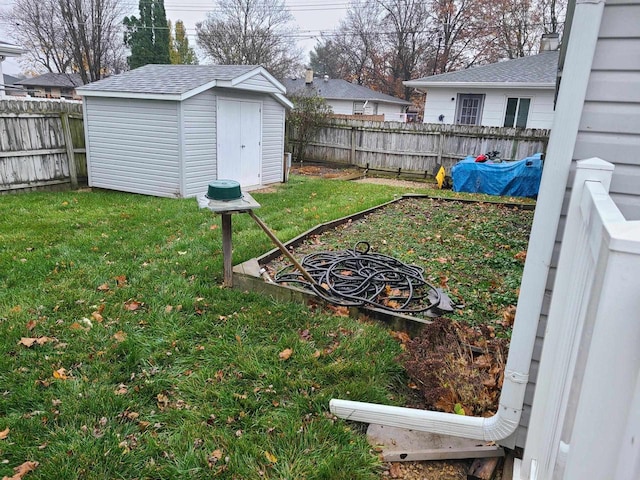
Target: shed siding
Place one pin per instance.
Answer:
(199, 142)
(609, 129)
(439, 102)
(258, 83)
(133, 145)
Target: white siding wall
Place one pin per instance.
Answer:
(439, 102)
(272, 133)
(390, 111)
(342, 107)
(609, 129)
(258, 83)
(133, 145)
(199, 143)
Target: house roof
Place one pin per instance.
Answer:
(535, 71)
(179, 82)
(338, 89)
(64, 80)
(10, 50)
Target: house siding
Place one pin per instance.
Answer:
(609, 129)
(199, 152)
(133, 145)
(439, 102)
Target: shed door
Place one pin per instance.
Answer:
(239, 125)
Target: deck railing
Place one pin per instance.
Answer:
(585, 420)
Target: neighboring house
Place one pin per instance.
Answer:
(10, 86)
(168, 130)
(347, 98)
(53, 85)
(566, 434)
(512, 93)
(7, 50)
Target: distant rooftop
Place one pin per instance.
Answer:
(64, 80)
(337, 89)
(534, 69)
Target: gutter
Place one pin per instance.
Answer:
(581, 48)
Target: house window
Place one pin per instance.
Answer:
(358, 108)
(469, 110)
(517, 112)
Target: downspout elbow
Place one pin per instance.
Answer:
(497, 427)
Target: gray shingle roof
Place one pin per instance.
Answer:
(168, 79)
(337, 89)
(66, 80)
(535, 69)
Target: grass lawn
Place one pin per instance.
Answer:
(122, 357)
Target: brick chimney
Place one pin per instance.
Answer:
(308, 76)
(549, 42)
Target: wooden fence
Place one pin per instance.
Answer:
(41, 145)
(416, 147)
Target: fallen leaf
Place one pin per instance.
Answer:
(270, 457)
(61, 374)
(121, 280)
(31, 341)
(285, 354)
(103, 288)
(402, 337)
(132, 305)
(97, 316)
(31, 324)
(120, 336)
(121, 390)
(4, 433)
(22, 470)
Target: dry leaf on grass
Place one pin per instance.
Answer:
(120, 336)
(22, 470)
(285, 354)
(270, 457)
(61, 374)
(4, 433)
(31, 341)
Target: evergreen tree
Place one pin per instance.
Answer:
(180, 52)
(148, 36)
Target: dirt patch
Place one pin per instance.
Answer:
(324, 171)
(394, 182)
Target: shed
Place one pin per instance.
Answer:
(168, 130)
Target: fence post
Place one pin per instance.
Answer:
(352, 158)
(439, 161)
(68, 141)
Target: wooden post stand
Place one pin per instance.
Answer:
(246, 204)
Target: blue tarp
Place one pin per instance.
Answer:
(520, 178)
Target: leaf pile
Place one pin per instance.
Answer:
(457, 368)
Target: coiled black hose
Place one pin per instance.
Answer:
(356, 277)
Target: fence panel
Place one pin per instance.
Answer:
(41, 145)
(415, 147)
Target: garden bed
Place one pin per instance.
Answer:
(474, 252)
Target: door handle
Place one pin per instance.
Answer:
(243, 146)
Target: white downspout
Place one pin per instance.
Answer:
(573, 87)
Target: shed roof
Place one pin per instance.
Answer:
(64, 80)
(535, 71)
(179, 82)
(338, 89)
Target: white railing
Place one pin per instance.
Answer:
(585, 420)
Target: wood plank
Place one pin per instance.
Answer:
(402, 445)
(483, 469)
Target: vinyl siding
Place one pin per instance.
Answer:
(609, 129)
(133, 145)
(438, 102)
(258, 83)
(199, 143)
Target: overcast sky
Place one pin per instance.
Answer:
(311, 16)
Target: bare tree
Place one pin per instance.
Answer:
(251, 32)
(82, 36)
(40, 33)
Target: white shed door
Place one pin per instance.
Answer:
(239, 126)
